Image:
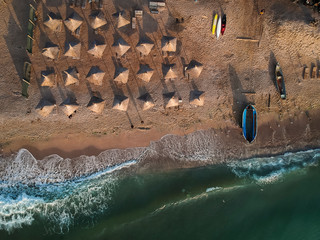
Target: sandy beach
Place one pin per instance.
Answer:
(235, 74)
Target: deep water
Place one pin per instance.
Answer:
(261, 198)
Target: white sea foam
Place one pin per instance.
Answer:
(270, 169)
(58, 205)
(211, 189)
(24, 168)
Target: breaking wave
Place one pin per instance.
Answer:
(63, 193)
(269, 169)
(58, 205)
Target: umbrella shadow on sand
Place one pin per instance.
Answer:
(272, 67)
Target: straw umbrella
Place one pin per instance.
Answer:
(69, 106)
(73, 49)
(45, 107)
(120, 46)
(121, 19)
(96, 104)
(73, 22)
(194, 69)
(144, 46)
(145, 72)
(97, 20)
(197, 98)
(120, 102)
(168, 44)
(51, 51)
(48, 78)
(170, 99)
(96, 49)
(146, 102)
(169, 71)
(70, 76)
(95, 75)
(53, 22)
(121, 75)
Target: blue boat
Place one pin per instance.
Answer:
(249, 123)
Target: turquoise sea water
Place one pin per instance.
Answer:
(261, 198)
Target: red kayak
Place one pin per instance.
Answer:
(223, 25)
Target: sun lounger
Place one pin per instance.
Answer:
(306, 72)
(314, 72)
(32, 14)
(26, 79)
(27, 71)
(29, 44)
(30, 28)
(100, 4)
(71, 3)
(84, 4)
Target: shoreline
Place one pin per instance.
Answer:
(269, 136)
(199, 148)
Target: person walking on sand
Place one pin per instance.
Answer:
(262, 12)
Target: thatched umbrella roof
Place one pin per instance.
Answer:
(145, 73)
(144, 46)
(53, 22)
(96, 49)
(122, 21)
(197, 98)
(73, 21)
(168, 44)
(169, 71)
(121, 75)
(120, 46)
(97, 20)
(51, 51)
(48, 78)
(70, 76)
(120, 102)
(45, 107)
(170, 99)
(73, 49)
(146, 101)
(95, 75)
(69, 106)
(194, 69)
(96, 104)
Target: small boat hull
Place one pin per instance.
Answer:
(214, 24)
(224, 24)
(249, 123)
(280, 82)
(219, 27)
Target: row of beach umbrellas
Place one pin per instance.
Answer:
(120, 46)
(121, 103)
(74, 21)
(121, 75)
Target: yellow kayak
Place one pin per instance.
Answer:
(214, 23)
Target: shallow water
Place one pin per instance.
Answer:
(260, 198)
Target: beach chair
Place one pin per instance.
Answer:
(306, 72)
(29, 44)
(100, 4)
(71, 3)
(32, 14)
(77, 31)
(84, 4)
(314, 72)
(30, 28)
(26, 79)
